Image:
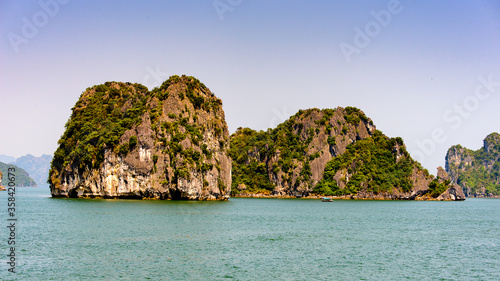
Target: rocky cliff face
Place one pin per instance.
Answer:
(293, 156)
(123, 141)
(326, 152)
(290, 159)
(476, 172)
(454, 191)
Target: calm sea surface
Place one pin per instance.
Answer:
(251, 239)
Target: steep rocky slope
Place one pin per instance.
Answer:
(123, 141)
(328, 152)
(477, 172)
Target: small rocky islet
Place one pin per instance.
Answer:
(124, 141)
(477, 172)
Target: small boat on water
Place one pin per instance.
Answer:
(326, 199)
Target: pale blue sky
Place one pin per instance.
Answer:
(264, 59)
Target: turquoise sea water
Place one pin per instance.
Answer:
(251, 239)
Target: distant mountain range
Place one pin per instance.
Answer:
(6, 158)
(37, 168)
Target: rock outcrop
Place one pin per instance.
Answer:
(476, 172)
(123, 141)
(335, 152)
(454, 191)
(293, 156)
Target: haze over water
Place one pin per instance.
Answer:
(253, 239)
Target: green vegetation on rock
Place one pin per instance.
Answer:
(377, 164)
(436, 188)
(477, 172)
(327, 152)
(165, 143)
(99, 119)
(285, 154)
(249, 170)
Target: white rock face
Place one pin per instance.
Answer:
(179, 153)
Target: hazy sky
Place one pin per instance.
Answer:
(428, 72)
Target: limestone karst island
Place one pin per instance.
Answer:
(124, 141)
(476, 172)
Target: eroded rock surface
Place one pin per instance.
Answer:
(333, 152)
(476, 172)
(123, 141)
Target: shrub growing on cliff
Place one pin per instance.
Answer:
(436, 188)
(162, 95)
(97, 123)
(105, 114)
(327, 188)
(253, 174)
(132, 142)
(481, 176)
(371, 163)
(289, 142)
(331, 140)
(124, 149)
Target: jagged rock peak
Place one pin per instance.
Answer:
(123, 141)
(454, 191)
(290, 158)
(442, 174)
(491, 143)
